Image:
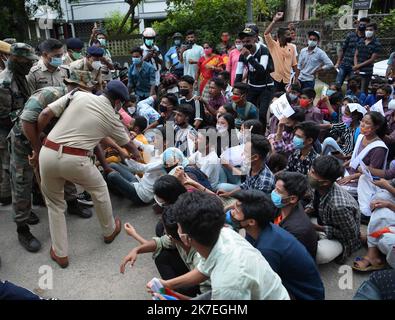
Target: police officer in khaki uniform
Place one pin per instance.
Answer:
(74, 47)
(67, 155)
(49, 71)
(14, 92)
(92, 64)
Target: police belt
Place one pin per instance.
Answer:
(68, 150)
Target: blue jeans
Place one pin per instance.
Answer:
(227, 181)
(10, 291)
(329, 145)
(121, 181)
(307, 84)
(367, 291)
(344, 72)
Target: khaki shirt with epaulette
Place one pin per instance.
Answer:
(11, 99)
(81, 64)
(40, 77)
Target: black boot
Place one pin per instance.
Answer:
(27, 240)
(6, 201)
(74, 208)
(33, 219)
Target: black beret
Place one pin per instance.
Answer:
(118, 90)
(74, 43)
(95, 51)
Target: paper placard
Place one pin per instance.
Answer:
(378, 106)
(281, 108)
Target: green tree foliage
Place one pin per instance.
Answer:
(113, 23)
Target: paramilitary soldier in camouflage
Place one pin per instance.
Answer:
(23, 140)
(48, 72)
(14, 92)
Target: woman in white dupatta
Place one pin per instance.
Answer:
(369, 148)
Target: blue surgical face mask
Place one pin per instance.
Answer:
(136, 60)
(277, 200)
(293, 97)
(56, 62)
(149, 42)
(298, 142)
(330, 92)
(102, 42)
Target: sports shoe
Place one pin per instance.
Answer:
(85, 199)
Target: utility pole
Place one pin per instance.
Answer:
(249, 11)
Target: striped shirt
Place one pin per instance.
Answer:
(344, 135)
(365, 52)
(349, 46)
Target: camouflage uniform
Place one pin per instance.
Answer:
(21, 172)
(95, 74)
(40, 77)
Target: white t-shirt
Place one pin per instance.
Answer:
(195, 54)
(210, 165)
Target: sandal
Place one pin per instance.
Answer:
(369, 267)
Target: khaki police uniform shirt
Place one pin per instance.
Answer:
(81, 64)
(67, 60)
(87, 120)
(40, 77)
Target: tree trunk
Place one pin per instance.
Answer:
(125, 19)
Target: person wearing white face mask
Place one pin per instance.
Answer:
(92, 64)
(106, 60)
(366, 54)
(312, 60)
(48, 72)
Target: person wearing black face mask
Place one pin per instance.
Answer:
(283, 53)
(345, 59)
(383, 94)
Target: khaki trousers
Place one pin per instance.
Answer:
(55, 169)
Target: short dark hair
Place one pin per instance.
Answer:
(310, 92)
(225, 74)
(281, 32)
(257, 126)
(310, 129)
(230, 119)
(379, 121)
(219, 83)
(364, 19)
(172, 99)
(386, 88)
(201, 216)
(185, 109)
(335, 98)
(168, 188)
(170, 223)
(243, 87)
(299, 115)
(50, 44)
(187, 79)
(190, 32)
(295, 183)
(140, 122)
(296, 87)
(372, 24)
(355, 78)
(328, 167)
(277, 162)
(256, 205)
(260, 145)
(137, 49)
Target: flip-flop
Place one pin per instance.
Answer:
(369, 267)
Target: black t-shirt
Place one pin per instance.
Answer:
(198, 108)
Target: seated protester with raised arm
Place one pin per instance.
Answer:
(236, 269)
(186, 84)
(144, 108)
(291, 188)
(338, 214)
(244, 110)
(354, 89)
(301, 160)
(167, 107)
(331, 102)
(259, 176)
(282, 140)
(306, 101)
(254, 212)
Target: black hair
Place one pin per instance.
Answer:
(372, 24)
(379, 121)
(386, 88)
(170, 223)
(50, 44)
(260, 145)
(295, 183)
(335, 98)
(137, 49)
(187, 79)
(172, 99)
(219, 83)
(256, 205)
(299, 115)
(310, 129)
(168, 188)
(328, 167)
(225, 75)
(281, 32)
(277, 162)
(257, 126)
(338, 88)
(185, 109)
(278, 94)
(243, 87)
(364, 19)
(140, 122)
(230, 119)
(296, 87)
(309, 92)
(190, 32)
(355, 78)
(201, 216)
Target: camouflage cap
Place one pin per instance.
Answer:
(20, 49)
(81, 78)
(10, 40)
(5, 47)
